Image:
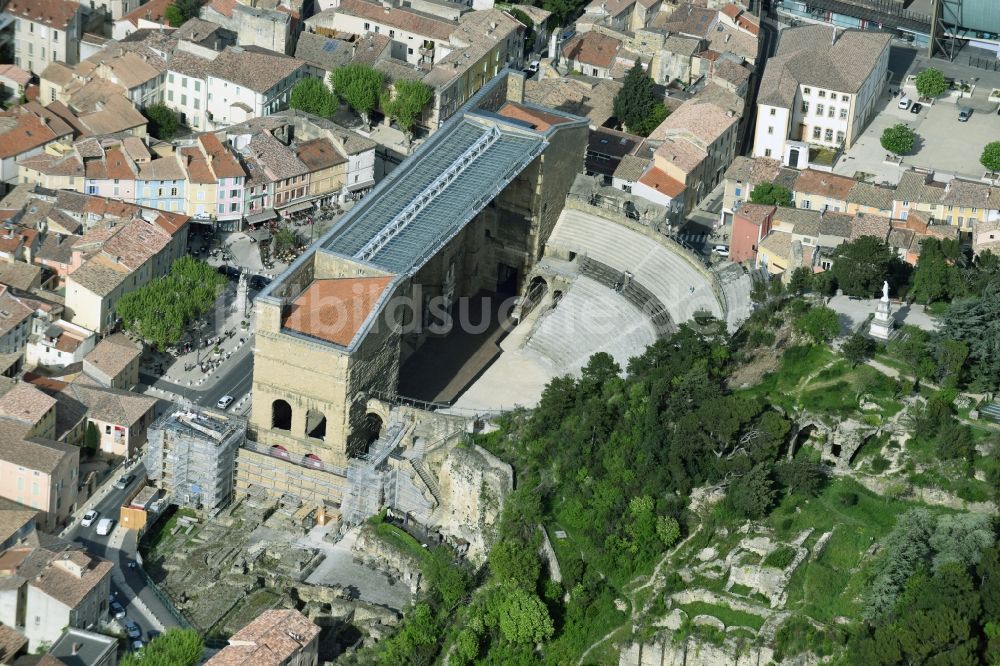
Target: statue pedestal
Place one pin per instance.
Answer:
(882, 324)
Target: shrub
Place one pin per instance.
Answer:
(780, 558)
(847, 498)
(879, 464)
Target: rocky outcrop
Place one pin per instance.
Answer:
(473, 484)
(693, 652)
(380, 555)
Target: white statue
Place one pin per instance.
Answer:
(885, 291)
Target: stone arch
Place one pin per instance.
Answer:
(281, 415)
(371, 429)
(315, 424)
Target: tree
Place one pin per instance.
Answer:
(931, 83)
(752, 494)
(520, 615)
(515, 562)
(181, 11)
(862, 265)
(898, 139)
(936, 277)
(950, 357)
(529, 28)
(906, 548)
(976, 323)
(668, 529)
(961, 538)
(991, 156)
(406, 103)
(635, 105)
(161, 310)
(415, 643)
(801, 475)
(820, 323)
(92, 440)
(451, 581)
(312, 96)
(801, 280)
(284, 240)
(359, 85)
(771, 194)
(162, 121)
(175, 647)
(857, 349)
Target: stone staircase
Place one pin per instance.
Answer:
(427, 478)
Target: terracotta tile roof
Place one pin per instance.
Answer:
(85, 398)
(21, 132)
(224, 7)
(154, 11)
(688, 19)
(731, 71)
(592, 99)
(15, 74)
(335, 309)
(825, 184)
(71, 576)
(34, 453)
(755, 213)
(538, 119)
(370, 47)
(19, 275)
(224, 163)
(870, 225)
(113, 354)
(609, 7)
(319, 154)
(704, 122)
(25, 403)
(592, 48)
(873, 196)
(409, 20)
(663, 183)
(277, 159)
(53, 165)
(270, 640)
(631, 168)
(681, 153)
(777, 243)
(52, 13)
(196, 165)
(12, 642)
(751, 170)
(13, 517)
(967, 193)
(253, 68)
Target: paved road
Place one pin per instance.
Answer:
(125, 580)
(235, 380)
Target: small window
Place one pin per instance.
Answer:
(816, 133)
(806, 91)
(767, 152)
(807, 204)
(773, 111)
(819, 109)
(392, 33)
(822, 93)
(844, 98)
(843, 114)
(828, 135)
(770, 130)
(368, 26)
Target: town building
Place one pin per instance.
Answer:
(58, 344)
(36, 470)
(50, 588)
(149, 16)
(27, 130)
(282, 637)
(114, 362)
(819, 91)
(17, 522)
(191, 456)
(46, 31)
(13, 80)
(248, 82)
(592, 53)
(80, 647)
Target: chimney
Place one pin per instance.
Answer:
(515, 87)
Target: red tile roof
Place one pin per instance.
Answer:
(592, 48)
(335, 309)
(539, 120)
(663, 183)
(53, 13)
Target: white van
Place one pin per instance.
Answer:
(104, 526)
(904, 103)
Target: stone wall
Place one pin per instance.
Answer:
(473, 484)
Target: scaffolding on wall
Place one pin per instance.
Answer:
(191, 456)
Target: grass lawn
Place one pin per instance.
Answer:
(827, 588)
(401, 540)
(729, 616)
(162, 537)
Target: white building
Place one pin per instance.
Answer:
(72, 591)
(820, 89)
(58, 344)
(45, 31)
(186, 88)
(246, 83)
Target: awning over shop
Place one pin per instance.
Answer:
(263, 216)
(299, 207)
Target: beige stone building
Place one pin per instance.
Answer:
(279, 636)
(333, 332)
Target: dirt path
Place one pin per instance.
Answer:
(655, 578)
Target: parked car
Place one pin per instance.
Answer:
(117, 610)
(917, 106)
(905, 102)
(224, 402)
(104, 526)
(533, 67)
(123, 481)
(721, 250)
(964, 114)
(132, 629)
(258, 282)
(89, 518)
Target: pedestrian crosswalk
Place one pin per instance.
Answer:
(693, 239)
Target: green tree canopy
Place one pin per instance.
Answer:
(312, 96)
(936, 277)
(162, 121)
(862, 265)
(752, 494)
(161, 310)
(858, 349)
(406, 102)
(976, 323)
(175, 647)
(820, 323)
(769, 193)
(529, 28)
(181, 11)
(990, 157)
(635, 105)
(92, 439)
(520, 615)
(931, 83)
(359, 85)
(898, 139)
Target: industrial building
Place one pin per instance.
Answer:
(191, 455)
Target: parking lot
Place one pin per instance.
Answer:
(943, 143)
